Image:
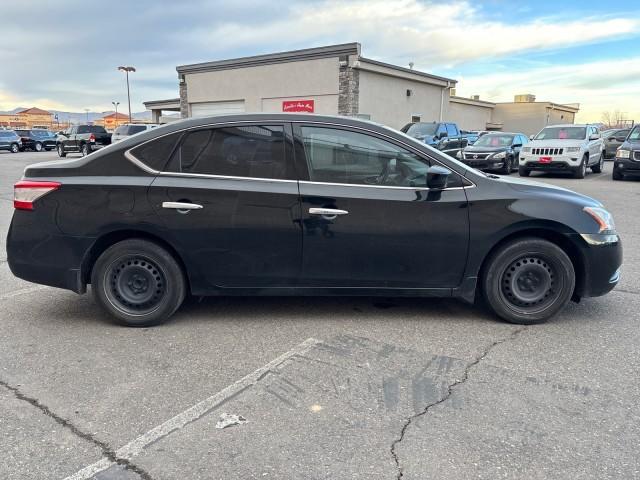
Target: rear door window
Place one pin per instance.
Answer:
(156, 153)
(255, 151)
(133, 129)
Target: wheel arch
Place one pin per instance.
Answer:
(551, 234)
(105, 241)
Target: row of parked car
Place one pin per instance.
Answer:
(570, 148)
(79, 138)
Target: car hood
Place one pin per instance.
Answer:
(480, 148)
(533, 187)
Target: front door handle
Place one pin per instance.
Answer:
(183, 206)
(328, 213)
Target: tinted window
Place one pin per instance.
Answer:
(494, 140)
(155, 153)
(452, 130)
(121, 130)
(91, 129)
(420, 129)
(635, 134)
(342, 156)
(5, 134)
(441, 129)
(136, 129)
(256, 151)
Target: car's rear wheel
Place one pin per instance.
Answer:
(15, 148)
(581, 170)
(523, 171)
(598, 167)
(528, 281)
(138, 282)
(61, 152)
(37, 147)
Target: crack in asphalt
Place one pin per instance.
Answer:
(107, 451)
(450, 388)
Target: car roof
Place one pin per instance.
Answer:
(565, 125)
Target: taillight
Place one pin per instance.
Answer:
(92, 138)
(25, 192)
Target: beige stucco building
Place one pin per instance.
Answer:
(338, 80)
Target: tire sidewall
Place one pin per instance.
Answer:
(175, 288)
(60, 150)
(14, 148)
(501, 259)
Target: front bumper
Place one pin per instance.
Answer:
(602, 260)
(557, 162)
(484, 164)
(627, 166)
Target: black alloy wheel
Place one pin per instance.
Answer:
(528, 281)
(507, 166)
(138, 282)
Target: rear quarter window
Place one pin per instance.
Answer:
(155, 153)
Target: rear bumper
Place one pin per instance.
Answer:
(602, 255)
(40, 257)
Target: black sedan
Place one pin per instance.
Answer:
(495, 151)
(275, 204)
(37, 140)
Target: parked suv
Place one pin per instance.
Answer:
(292, 204)
(10, 140)
(562, 148)
(612, 140)
(445, 137)
(627, 162)
(36, 140)
(495, 151)
(82, 138)
(128, 129)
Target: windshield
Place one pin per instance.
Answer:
(635, 134)
(420, 129)
(494, 141)
(562, 133)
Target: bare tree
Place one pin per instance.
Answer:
(612, 119)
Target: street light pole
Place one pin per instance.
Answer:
(126, 70)
(115, 104)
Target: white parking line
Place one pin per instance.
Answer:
(192, 414)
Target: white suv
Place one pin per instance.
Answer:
(128, 129)
(561, 148)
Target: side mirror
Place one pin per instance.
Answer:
(443, 135)
(437, 177)
(594, 136)
(620, 139)
(531, 137)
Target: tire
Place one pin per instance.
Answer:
(598, 167)
(85, 149)
(523, 171)
(60, 149)
(616, 175)
(37, 147)
(14, 148)
(581, 170)
(138, 282)
(528, 281)
(506, 167)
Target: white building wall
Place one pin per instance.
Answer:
(264, 87)
(469, 117)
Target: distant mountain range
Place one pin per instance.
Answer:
(81, 117)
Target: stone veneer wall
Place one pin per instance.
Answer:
(348, 88)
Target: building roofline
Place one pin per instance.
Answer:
(555, 106)
(408, 70)
(154, 102)
(471, 101)
(328, 51)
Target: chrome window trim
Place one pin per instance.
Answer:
(136, 161)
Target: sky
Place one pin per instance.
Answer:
(571, 51)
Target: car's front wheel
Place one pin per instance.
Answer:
(523, 171)
(507, 165)
(37, 147)
(616, 174)
(138, 282)
(15, 148)
(581, 170)
(528, 281)
(61, 152)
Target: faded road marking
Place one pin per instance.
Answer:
(192, 414)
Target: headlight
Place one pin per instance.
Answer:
(603, 218)
(459, 154)
(572, 149)
(623, 153)
(499, 155)
(526, 149)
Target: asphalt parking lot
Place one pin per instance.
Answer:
(331, 388)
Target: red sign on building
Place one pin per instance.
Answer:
(306, 106)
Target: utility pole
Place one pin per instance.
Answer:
(126, 70)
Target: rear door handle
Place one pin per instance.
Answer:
(328, 213)
(181, 205)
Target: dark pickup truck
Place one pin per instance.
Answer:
(82, 138)
(444, 136)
